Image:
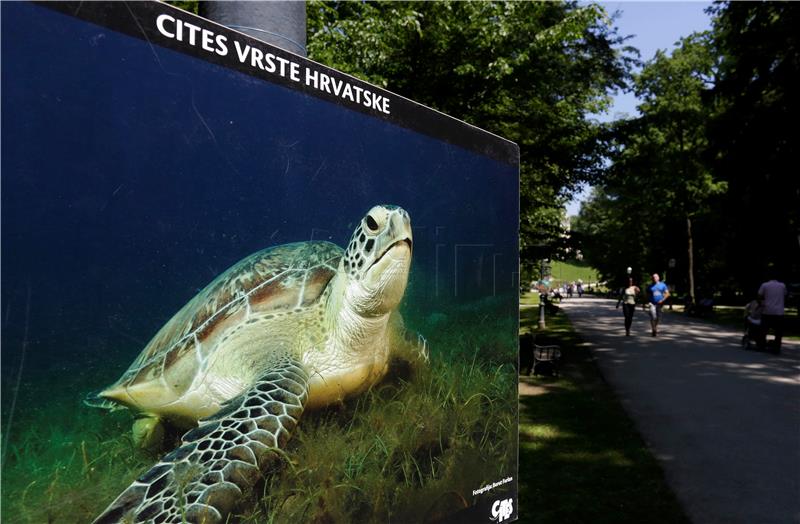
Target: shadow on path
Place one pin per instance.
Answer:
(723, 421)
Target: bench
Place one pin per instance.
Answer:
(703, 309)
(546, 360)
(537, 359)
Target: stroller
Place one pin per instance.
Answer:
(753, 330)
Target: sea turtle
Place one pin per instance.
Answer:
(288, 328)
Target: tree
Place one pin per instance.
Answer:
(672, 90)
(754, 137)
(531, 72)
(659, 176)
(527, 71)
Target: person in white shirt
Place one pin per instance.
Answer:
(628, 300)
(772, 294)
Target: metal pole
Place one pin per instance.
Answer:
(542, 298)
(282, 24)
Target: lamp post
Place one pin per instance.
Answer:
(542, 297)
(540, 250)
(671, 265)
(629, 272)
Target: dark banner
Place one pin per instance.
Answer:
(169, 27)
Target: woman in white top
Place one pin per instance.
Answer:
(628, 301)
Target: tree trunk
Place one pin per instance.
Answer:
(688, 226)
(691, 257)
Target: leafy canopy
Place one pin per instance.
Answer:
(528, 71)
(658, 181)
(715, 147)
(531, 72)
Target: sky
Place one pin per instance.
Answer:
(654, 25)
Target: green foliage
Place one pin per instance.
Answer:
(531, 72)
(754, 139)
(527, 71)
(712, 151)
(191, 6)
(674, 127)
(616, 232)
(659, 184)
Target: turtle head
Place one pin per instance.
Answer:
(377, 260)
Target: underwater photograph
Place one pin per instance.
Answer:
(227, 300)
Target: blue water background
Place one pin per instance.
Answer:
(132, 175)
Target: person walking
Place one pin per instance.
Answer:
(628, 300)
(658, 292)
(772, 293)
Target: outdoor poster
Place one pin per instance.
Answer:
(238, 283)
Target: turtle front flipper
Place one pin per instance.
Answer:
(202, 480)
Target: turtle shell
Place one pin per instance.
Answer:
(283, 278)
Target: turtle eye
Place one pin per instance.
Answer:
(372, 225)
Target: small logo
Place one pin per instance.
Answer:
(502, 509)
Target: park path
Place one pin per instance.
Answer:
(723, 422)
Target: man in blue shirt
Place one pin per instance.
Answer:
(658, 294)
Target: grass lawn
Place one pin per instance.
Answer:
(581, 458)
(572, 271)
(528, 300)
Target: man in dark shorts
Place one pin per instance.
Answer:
(658, 293)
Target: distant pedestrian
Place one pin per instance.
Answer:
(658, 292)
(628, 300)
(580, 289)
(772, 293)
(571, 289)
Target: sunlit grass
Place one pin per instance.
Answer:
(529, 299)
(581, 457)
(610, 458)
(564, 272)
(544, 431)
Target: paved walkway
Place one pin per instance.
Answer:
(724, 422)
